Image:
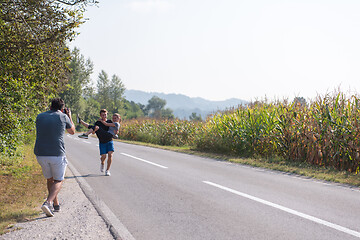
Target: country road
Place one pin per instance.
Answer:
(158, 194)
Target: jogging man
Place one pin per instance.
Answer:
(50, 150)
(106, 144)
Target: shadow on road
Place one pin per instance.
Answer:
(85, 176)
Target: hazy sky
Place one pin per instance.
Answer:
(220, 49)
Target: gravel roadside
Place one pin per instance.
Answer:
(78, 218)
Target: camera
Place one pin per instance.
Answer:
(65, 110)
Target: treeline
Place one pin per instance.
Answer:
(34, 61)
(37, 65)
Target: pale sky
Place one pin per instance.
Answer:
(221, 49)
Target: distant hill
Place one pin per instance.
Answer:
(182, 105)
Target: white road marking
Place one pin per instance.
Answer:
(288, 210)
(158, 165)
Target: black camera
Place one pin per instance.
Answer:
(65, 110)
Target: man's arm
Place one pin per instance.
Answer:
(72, 129)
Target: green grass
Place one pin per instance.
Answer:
(18, 174)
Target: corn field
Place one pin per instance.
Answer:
(162, 132)
(324, 132)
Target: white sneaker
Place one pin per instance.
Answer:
(46, 209)
(107, 173)
(102, 167)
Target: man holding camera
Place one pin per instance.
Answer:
(50, 149)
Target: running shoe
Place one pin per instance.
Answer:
(83, 136)
(107, 173)
(46, 209)
(56, 208)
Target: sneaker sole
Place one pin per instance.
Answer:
(47, 211)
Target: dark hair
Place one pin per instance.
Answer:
(103, 111)
(57, 104)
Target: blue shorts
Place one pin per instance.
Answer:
(106, 147)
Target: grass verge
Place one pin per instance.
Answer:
(302, 169)
(22, 188)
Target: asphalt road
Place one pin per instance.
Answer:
(158, 194)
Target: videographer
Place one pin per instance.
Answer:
(50, 149)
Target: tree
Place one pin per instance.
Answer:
(155, 108)
(79, 83)
(117, 89)
(33, 60)
(155, 104)
(103, 90)
(91, 111)
(132, 110)
(167, 113)
(195, 117)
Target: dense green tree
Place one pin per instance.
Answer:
(79, 82)
(110, 93)
(117, 89)
(103, 90)
(155, 108)
(144, 109)
(195, 117)
(132, 110)
(91, 112)
(167, 113)
(33, 60)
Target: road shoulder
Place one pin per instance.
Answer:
(78, 218)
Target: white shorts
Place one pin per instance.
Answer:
(53, 166)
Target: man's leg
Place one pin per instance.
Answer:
(50, 183)
(54, 187)
(110, 151)
(102, 164)
(109, 161)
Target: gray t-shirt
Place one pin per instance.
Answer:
(113, 129)
(50, 128)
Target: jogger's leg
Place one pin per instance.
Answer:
(102, 158)
(109, 161)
